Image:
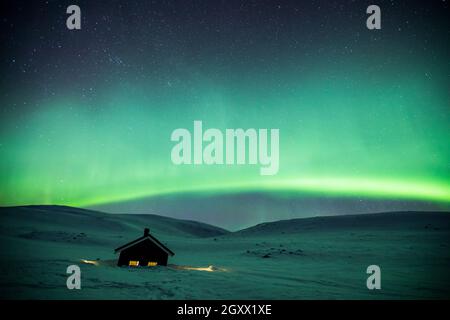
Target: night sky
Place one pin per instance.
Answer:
(86, 115)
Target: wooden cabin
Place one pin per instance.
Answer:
(145, 251)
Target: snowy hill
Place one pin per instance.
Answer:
(312, 258)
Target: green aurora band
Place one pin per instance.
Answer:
(355, 133)
(86, 116)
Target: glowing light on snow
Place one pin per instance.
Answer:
(207, 269)
(93, 262)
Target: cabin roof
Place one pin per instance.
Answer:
(143, 238)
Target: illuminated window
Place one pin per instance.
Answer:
(152, 264)
(133, 263)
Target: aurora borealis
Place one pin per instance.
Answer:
(86, 116)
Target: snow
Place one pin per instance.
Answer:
(316, 258)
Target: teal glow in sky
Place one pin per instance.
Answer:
(360, 114)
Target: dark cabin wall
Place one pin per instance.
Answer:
(144, 252)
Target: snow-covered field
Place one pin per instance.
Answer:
(316, 258)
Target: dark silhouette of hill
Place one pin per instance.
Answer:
(72, 219)
(235, 211)
(412, 220)
(75, 219)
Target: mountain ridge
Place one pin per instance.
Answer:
(369, 220)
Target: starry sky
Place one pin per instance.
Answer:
(86, 115)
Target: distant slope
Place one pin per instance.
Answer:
(235, 211)
(380, 221)
(27, 219)
(47, 218)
